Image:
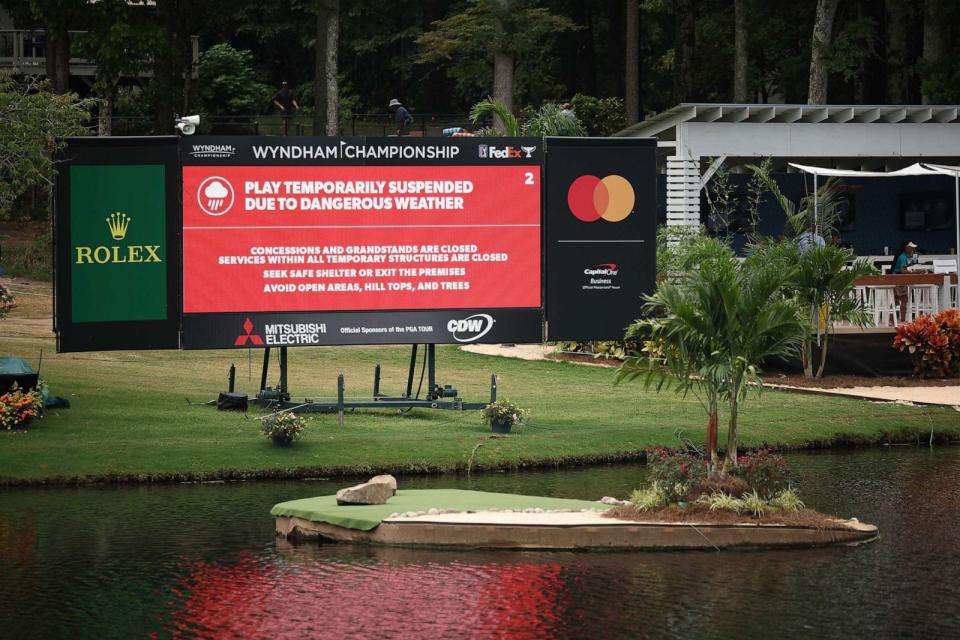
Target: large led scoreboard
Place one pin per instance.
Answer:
(220, 242)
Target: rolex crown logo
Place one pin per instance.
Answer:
(118, 223)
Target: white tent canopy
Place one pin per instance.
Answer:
(918, 169)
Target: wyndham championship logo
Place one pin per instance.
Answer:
(472, 328)
(213, 151)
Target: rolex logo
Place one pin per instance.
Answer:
(118, 223)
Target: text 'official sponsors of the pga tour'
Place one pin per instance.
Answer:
(471, 328)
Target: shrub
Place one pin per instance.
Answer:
(788, 500)
(7, 301)
(731, 485)
(753, 503)
(18, 407)
(766, 472)
(283, 428)
(676, 472)
(933, 343)
(650, 498)
(720, 501)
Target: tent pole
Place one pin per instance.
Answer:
(816, 211)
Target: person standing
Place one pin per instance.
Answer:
(284, 100)
(401, 116)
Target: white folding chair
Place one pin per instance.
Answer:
(922, 300)
(884, 305)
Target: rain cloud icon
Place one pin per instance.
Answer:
(215, 196)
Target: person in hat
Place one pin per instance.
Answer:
(901, 265)
(284, 100)
(400, 115)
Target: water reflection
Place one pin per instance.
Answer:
(381, 593)
(201, 561)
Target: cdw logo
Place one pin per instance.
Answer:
(470, 329)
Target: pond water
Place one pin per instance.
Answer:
(201, 560)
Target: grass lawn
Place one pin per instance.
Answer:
(130, 417)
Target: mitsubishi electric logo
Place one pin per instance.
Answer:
(471, 329)
(248, 336)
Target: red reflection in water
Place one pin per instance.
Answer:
(331, 599)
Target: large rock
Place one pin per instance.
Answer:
(390, 480)
(366, 493)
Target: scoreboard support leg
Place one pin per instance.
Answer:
(437, 396)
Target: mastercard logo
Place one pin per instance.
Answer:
(591, 198)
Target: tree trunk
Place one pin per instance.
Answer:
(712, 438)
(899, 24)
(686, 23)
(319, 70)
(819, 49)
(936, 36)
(823, 352)
(503, 81)
(741, 57)
(632, 63)
(732, 428)
(105, 117)
(57, 57)
(333, 90)
(806, 355)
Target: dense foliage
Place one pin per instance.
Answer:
(32, 119)
(933, 343)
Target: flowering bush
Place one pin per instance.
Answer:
(283, 428)
(933, 343)
(676, 472)
(6, 301)
(504, 412)
(765, 471)
(18, 407)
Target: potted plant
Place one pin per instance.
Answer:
(19, 407)
(283, 428)
(503, 415)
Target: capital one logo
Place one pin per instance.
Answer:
(591, 198)
(472, 328)
(215, 196)
(248, 336)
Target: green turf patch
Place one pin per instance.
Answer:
(367, 517)
(130, 421)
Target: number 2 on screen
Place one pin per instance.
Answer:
(528, 177)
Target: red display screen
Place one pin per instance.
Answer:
(356, 238)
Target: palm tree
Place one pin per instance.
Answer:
(709, 330)
(824, 283)
(550, 120)
(823, 277)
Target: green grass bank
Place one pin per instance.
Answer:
(130, 419)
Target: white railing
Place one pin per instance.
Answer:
(24, 50)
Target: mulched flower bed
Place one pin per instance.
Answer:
(791, 378)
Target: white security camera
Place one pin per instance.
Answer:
(187, 125)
